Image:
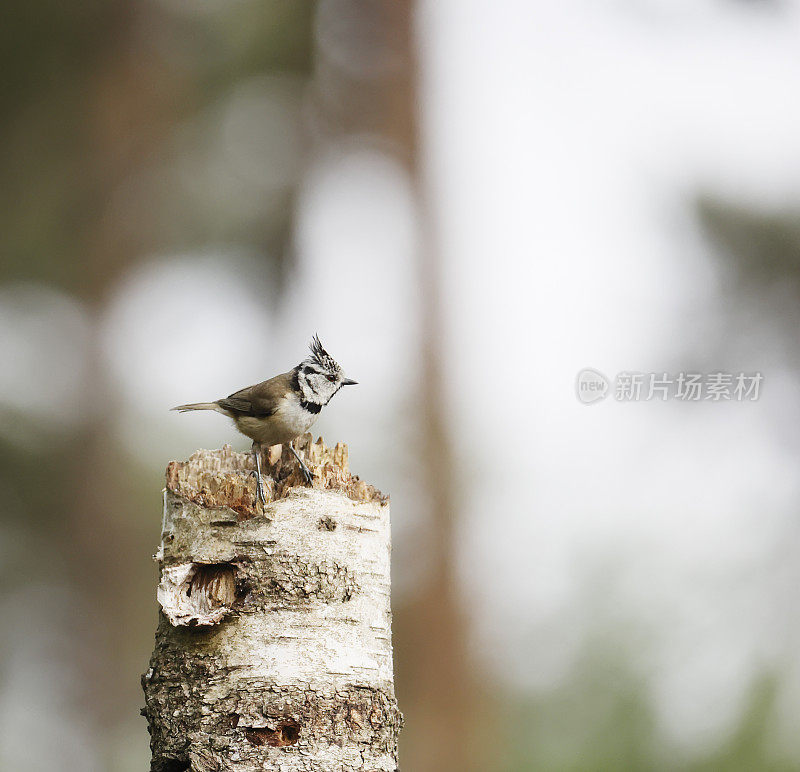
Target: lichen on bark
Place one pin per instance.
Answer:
(273, 649)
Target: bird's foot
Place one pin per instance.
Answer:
(259, 487)
(257, 472)
(305, 471)
(309, 478)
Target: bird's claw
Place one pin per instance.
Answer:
(259, 487)
(306, 472)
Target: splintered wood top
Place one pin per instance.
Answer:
(225, 478)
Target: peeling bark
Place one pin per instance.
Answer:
(273, 650)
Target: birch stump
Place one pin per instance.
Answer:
(273, 649)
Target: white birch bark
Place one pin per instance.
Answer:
(273, 650)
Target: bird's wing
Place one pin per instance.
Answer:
(259, 401)
(236, 405)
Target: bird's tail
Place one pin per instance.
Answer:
(197, 406)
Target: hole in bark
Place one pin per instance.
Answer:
(174, 765)
(215, 585)
(287, 733)
(243, 589)
(197, 594)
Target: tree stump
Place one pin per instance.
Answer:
(273, 649)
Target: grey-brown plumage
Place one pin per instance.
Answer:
(276, 411)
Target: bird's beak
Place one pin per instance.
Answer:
(349, 382)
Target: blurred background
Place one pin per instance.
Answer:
(469, 202)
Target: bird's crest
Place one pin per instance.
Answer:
(321, 357)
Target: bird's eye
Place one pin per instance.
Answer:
(331, 378)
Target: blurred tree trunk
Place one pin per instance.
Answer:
(442, 695)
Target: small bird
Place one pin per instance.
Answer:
(278, 410)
